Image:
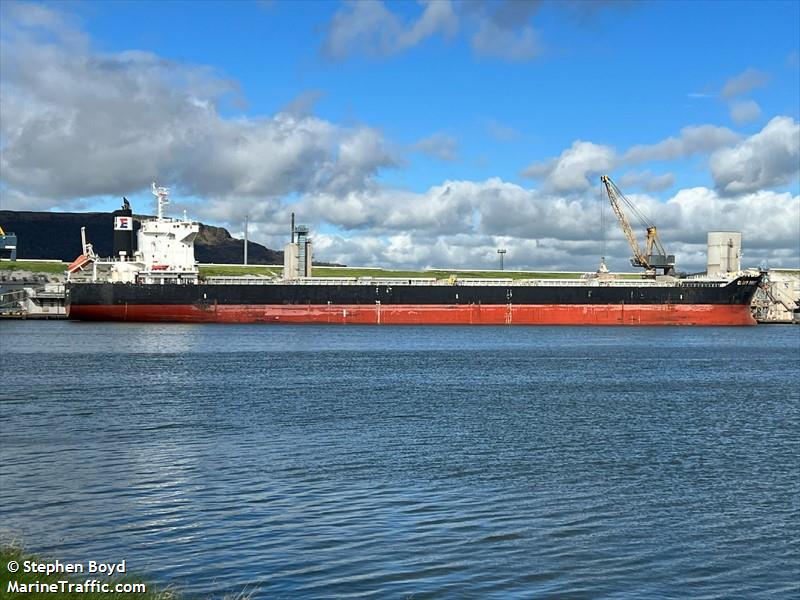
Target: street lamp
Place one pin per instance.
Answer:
(501, 252)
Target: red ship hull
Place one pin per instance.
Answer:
(426, 314)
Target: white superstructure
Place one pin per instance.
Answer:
(166, 246)
(165, 252)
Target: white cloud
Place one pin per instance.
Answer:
(695, 139)
(501, 132)
(575, 168)
(647, 181)
(460, 224)
(303, 104)
(438, 145)
(437, 16)
(767, 159)
(767, 220)
(503, 29)
(368, 27)
(570, 172)
(13, 199)
(744, 83)
(416, 251)
(35, 19)
(78, 123)
(745, 111)
(449, 206)
(507, 44)
(497, 28)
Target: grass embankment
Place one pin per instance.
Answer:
(35, 266)
(239, 271)
(271, 271)
(233, 271)
(29, 585)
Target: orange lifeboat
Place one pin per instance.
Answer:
(79, 263)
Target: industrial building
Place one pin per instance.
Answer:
(297, 254)
(724, 253)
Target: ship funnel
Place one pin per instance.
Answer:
(123, 231)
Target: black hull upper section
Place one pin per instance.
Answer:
(687, 292)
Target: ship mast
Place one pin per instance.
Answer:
(162, 199)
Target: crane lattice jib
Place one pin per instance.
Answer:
(652, 240)
(616, 197)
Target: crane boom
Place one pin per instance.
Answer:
(614, 199)
(646, 259)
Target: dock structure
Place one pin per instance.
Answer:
(778, 299)
(34, 302)
(32, 295)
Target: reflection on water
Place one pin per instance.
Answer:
(439, 462)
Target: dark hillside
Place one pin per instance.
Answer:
(215, 245)
(51, 235)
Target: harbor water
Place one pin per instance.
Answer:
(409, 462)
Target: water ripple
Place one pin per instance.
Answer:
(410, 462)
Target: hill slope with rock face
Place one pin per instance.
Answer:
(52, 235)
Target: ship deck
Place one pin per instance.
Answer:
(476, 282)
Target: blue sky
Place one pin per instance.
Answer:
(442, 130)
(622, 76)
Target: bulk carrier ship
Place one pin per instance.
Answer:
(160, 282)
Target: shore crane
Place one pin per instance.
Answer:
(646, 258)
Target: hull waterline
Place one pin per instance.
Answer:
(408, 303)
(538, 314)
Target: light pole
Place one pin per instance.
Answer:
(502, 253)
(246, 218)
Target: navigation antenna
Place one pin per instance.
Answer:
(162, 199)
